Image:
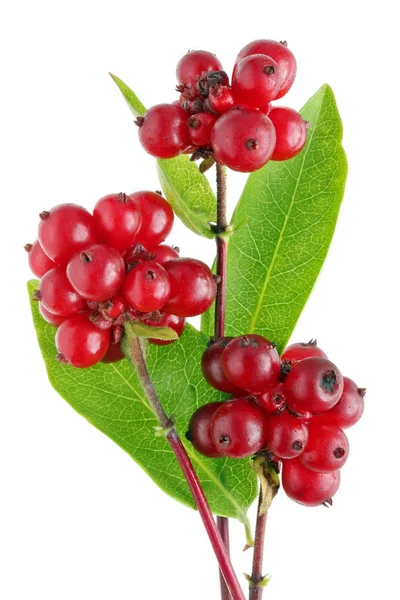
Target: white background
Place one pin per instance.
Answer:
(79, 519)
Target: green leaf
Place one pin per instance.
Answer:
(186, 189)
(111, 398)
(189, 193)
(146, 331)
(292, 209)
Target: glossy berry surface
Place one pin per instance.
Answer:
(113, 354)
(164, 253)
(256, 81)
(280, 53)
(163, 131)
(273, 399)
(118, 219)
(238, 429)
(66, 229)
(146, 287)
(349, 409)
(286, 436)
(80, 343)
(199, 431)
(314, 384)
(212, 367)
(113, 308)
(39, 262)
(157, 218)
(308, 487)
(57, 294)
(221, 99)
(96, 273)
(251, 362)
(166, 320)
(194, 64)
(243, 139)
(49, 317)
(291, 132)
(200, 126)
(193, 287)
(327, 449)
(300, 351)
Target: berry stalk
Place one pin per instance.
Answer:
(225, 565)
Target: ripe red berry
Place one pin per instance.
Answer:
(194, 64)
(314, 384)
(280, 53)
(243, 139)
(212, 367)
(291, 132)
(118, 220)
(300, 351)
(327, 449)
(199, 431)
(157, 218)
(51, 318)
(251, 362)
(193, 287)
(348, 410)
(256, 81)
(39, 262)
(146, 287)
(57, 294)
(221, 99)
(286, 436)
(308, 487)
(166, 320)
(273, 399)
(113, 354)
(163, 131)
(66, 229)
(96, 273)
(113, 308)
(200, 126)
(80, 343)
(238, 428)
(164, 253)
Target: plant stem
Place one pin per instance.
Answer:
(174, 441)
(256, 590)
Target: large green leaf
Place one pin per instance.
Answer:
(291, 209)
(111, 398)
(186, 189)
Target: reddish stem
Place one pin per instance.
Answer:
(223, 528)
(174, 441)
(255, 590)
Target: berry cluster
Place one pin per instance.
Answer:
(234, 123)
(98, 271)
(293, 409)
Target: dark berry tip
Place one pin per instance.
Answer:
(28, 247)
(86, 257)
(307, 124)
(44, 215)
(286, 367)
(312, 342)
(211, 341)
(61, 358)
(150, 275)
(159, 192)
(139, 121)
(194, 123)
(328, 502)
(251, 144)
(362, 392)
(122, 198)
(189, 436)
(269, 70)
(177, 249)
(339, 452)
(36, 295)
(328, 381)
(284, 43)
(297, 446)
(224, 440)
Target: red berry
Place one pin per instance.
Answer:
(314, 384)
(146, 288)
(193, 287)
(238, 428)
(166, 320)
(57, 294)
(251, 362)
(291, 132)
(163, 131)
(66, 229)
(200, 126)
(286, 436)
(221, 99)
(113, 354)
(118, 220)
(273, 399)
(164, 253)
(96, 273)
(348, 410)
(39, 262)
(327, 449)
(308, 487)
(113, 308)
(80, 343)
(212, 367)
(194, 64)
(243, 139)
(256, 81)
(199, 430)
(280, 53)
(300, 351)
(51, 318)
(157, 218)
